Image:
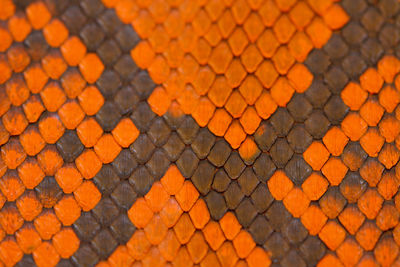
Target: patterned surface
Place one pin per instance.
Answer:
(206, 132)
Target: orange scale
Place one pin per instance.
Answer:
(73, 50)
(332, 234)
(219, 91)
(28, 238)
(234, 74)
(46, 255)
(159, 70)
(53, 96)
(386, 251)
(126, 10)
(54, 65)
(318, 32)
(14, 121)
(220, 58)
(199, 214)
(389, 155)
(265, 105)
(197, 247)
(213, 36)
(371, 112)
(155, 230)
(120, 257)
(315, 186)
(301, 15)
(49, 160)
(17, 90)
(349, 252)
(4, 135)
(66, 243)
(10, 219)
(47, 224)
(88, 164)
(354, 126)
(283, 60)
(371, 81)
(250, 89)
(243, 244)
(140, 213)
(91, 100)
(169, 246)
(388, 67)
(174, 55)
(251, 58)
(203, 112)
(249, 150)
(71, 114)
(313, 219)
(335, 17)
(253, 27)
(296, 202)
(202, 51)
(256, 256)
(87, 195)
(174, 24)
(283, 29)
(184, 229)
(35, 78)
(159, 101)
(51, 128)
(10, 252)
(238, 42)
(29, 206)
(389, 128)
(138, 245)
(91, 67)
(13, 154)
(6, 38)
(68, 178)
(5, 69)
(32, 141)
(67, 210)
(188, 99)
(107, 149)
(18, 58)
(55, 33)
(316, 155)
(368, 235)
(188, 69)
(11, 186)
(38, 15)
(73, 83)
(214, 235)
(171, 212)
(299, 46)
(250, 120)
(388, 185)
(204, 80)
(389, 98)
(125, 133)
(30, 173)
(351, 218)
(235, 134)
(300, 77)
(227, 254)
(172, 180)
(282, 91)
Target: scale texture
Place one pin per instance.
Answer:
(199, 133)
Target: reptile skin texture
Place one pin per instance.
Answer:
(199, 133)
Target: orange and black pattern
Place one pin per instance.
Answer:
(199, 133)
